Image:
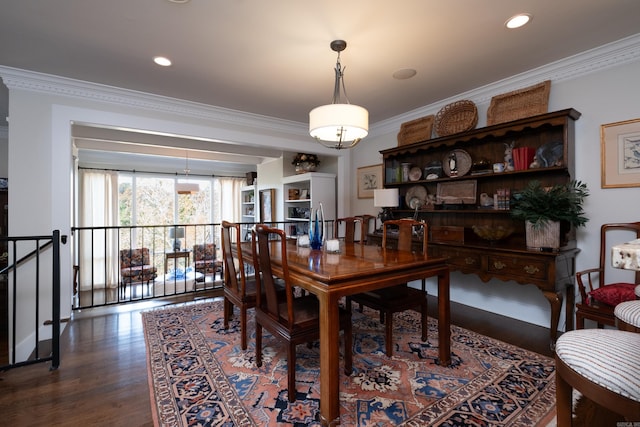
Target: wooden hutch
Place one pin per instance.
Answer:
(450, 224)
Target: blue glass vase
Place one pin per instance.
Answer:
(315, 235)
(316, 228)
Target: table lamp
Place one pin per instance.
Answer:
(386, 199)
(176, 233)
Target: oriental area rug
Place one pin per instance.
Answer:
(200, 376)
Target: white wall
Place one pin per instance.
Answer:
(270, 176)
(4, 151)
(604, 96)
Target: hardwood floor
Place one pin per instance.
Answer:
(102, 379)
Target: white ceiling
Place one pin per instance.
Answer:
(273, 58)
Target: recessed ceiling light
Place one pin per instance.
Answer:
(179, 1)
(161, 60)
(405, 73)
(518, 20)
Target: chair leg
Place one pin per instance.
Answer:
(388, 333)
(258, 344)
(579, 321)
(291, 371)
(228, 307)
(243, 327)
(564, 402)
(425, 321)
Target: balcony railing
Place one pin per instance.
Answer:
(101, 278)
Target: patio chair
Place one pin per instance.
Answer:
(135, 267)
(205, 262)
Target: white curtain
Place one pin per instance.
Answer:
(228, 200)
(98, 257)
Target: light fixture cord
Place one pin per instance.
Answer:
(187, 170)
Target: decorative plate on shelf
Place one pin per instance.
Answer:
(415, 174)
(416, 196)
(462, 161)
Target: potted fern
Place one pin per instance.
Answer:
(544, 208)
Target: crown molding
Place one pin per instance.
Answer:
(15, 78)
(607, 56)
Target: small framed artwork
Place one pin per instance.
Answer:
(620, 154)
(267, 208)
(369, 178)
(304, 194)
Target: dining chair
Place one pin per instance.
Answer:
(599, 295)
(366, 226)
(292, 320)
(350, 225)
(628, 316)
(602, 364)
(397, 298)
(239, 290)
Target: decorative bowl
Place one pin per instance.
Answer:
(493, 233)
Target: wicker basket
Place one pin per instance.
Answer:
(417, 130)
(459, 116)
(519, 104)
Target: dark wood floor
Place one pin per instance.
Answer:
(102, 379)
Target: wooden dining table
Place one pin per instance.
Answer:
(356, 268)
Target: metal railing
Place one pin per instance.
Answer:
(29, 288)
(169, 269)
(99, 279)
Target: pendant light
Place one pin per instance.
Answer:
(339, 124)
(187, 187)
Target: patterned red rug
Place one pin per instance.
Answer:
(199, 376)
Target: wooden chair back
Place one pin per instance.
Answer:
(350, 224)
(605, 245)
(267, 296)
(592, 279)
(405, 232)
(235, 278)
(366, 226)
(588, 285)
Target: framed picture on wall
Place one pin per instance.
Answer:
(369, 179)
(620, 154)
(267, 208)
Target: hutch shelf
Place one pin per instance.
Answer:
(451, 204)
